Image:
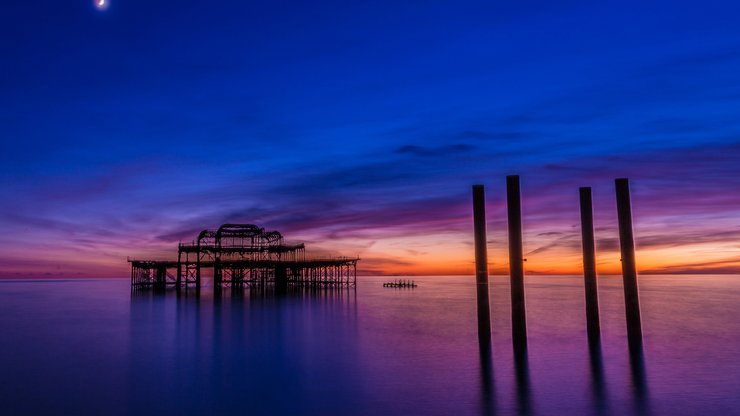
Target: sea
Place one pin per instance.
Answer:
(94, 347)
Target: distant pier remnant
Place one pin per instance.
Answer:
(629, 268)
(589, 266)
(481, 264)
(403, 284)
(516, 262)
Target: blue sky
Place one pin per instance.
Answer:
(360, 126)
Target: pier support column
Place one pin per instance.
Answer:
(281, 279)
(179, 270)
(629, 268)
(197, 268)
(481, 265)
(589, 266)
(160, 278)
(217, 274)
(516, 263)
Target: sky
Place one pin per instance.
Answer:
(359, 127)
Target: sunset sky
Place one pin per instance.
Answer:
(359, 127)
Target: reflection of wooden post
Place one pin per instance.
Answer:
(589, 266)
(516, 262)
(481, 264)
(629, 268)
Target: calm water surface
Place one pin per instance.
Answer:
(91, 347)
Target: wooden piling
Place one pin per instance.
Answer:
(589, 266)
(516, 262)
(629, 268)
(179, 271)
(160, 278)
(481, 264)
(281, 279)
(217, 273)
(197, 267)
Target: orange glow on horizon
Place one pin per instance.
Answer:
(441, 254)
(459, 260)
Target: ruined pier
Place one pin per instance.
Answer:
(243, 255)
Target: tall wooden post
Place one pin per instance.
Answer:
(589, 266)
(516, 263)
(481, 264)
(629, 268)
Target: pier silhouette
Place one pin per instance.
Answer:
(243, 255)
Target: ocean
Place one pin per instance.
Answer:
(79, 347)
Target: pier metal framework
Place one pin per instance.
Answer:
(243, 255)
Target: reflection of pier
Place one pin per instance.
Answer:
(243, 255)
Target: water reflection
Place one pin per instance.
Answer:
(385, 352)
(242, 343)
(598, 387)
(486, 373)
(187, 292)
(521, 367)
(240, 349)
(525, 401)
(639, 382)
